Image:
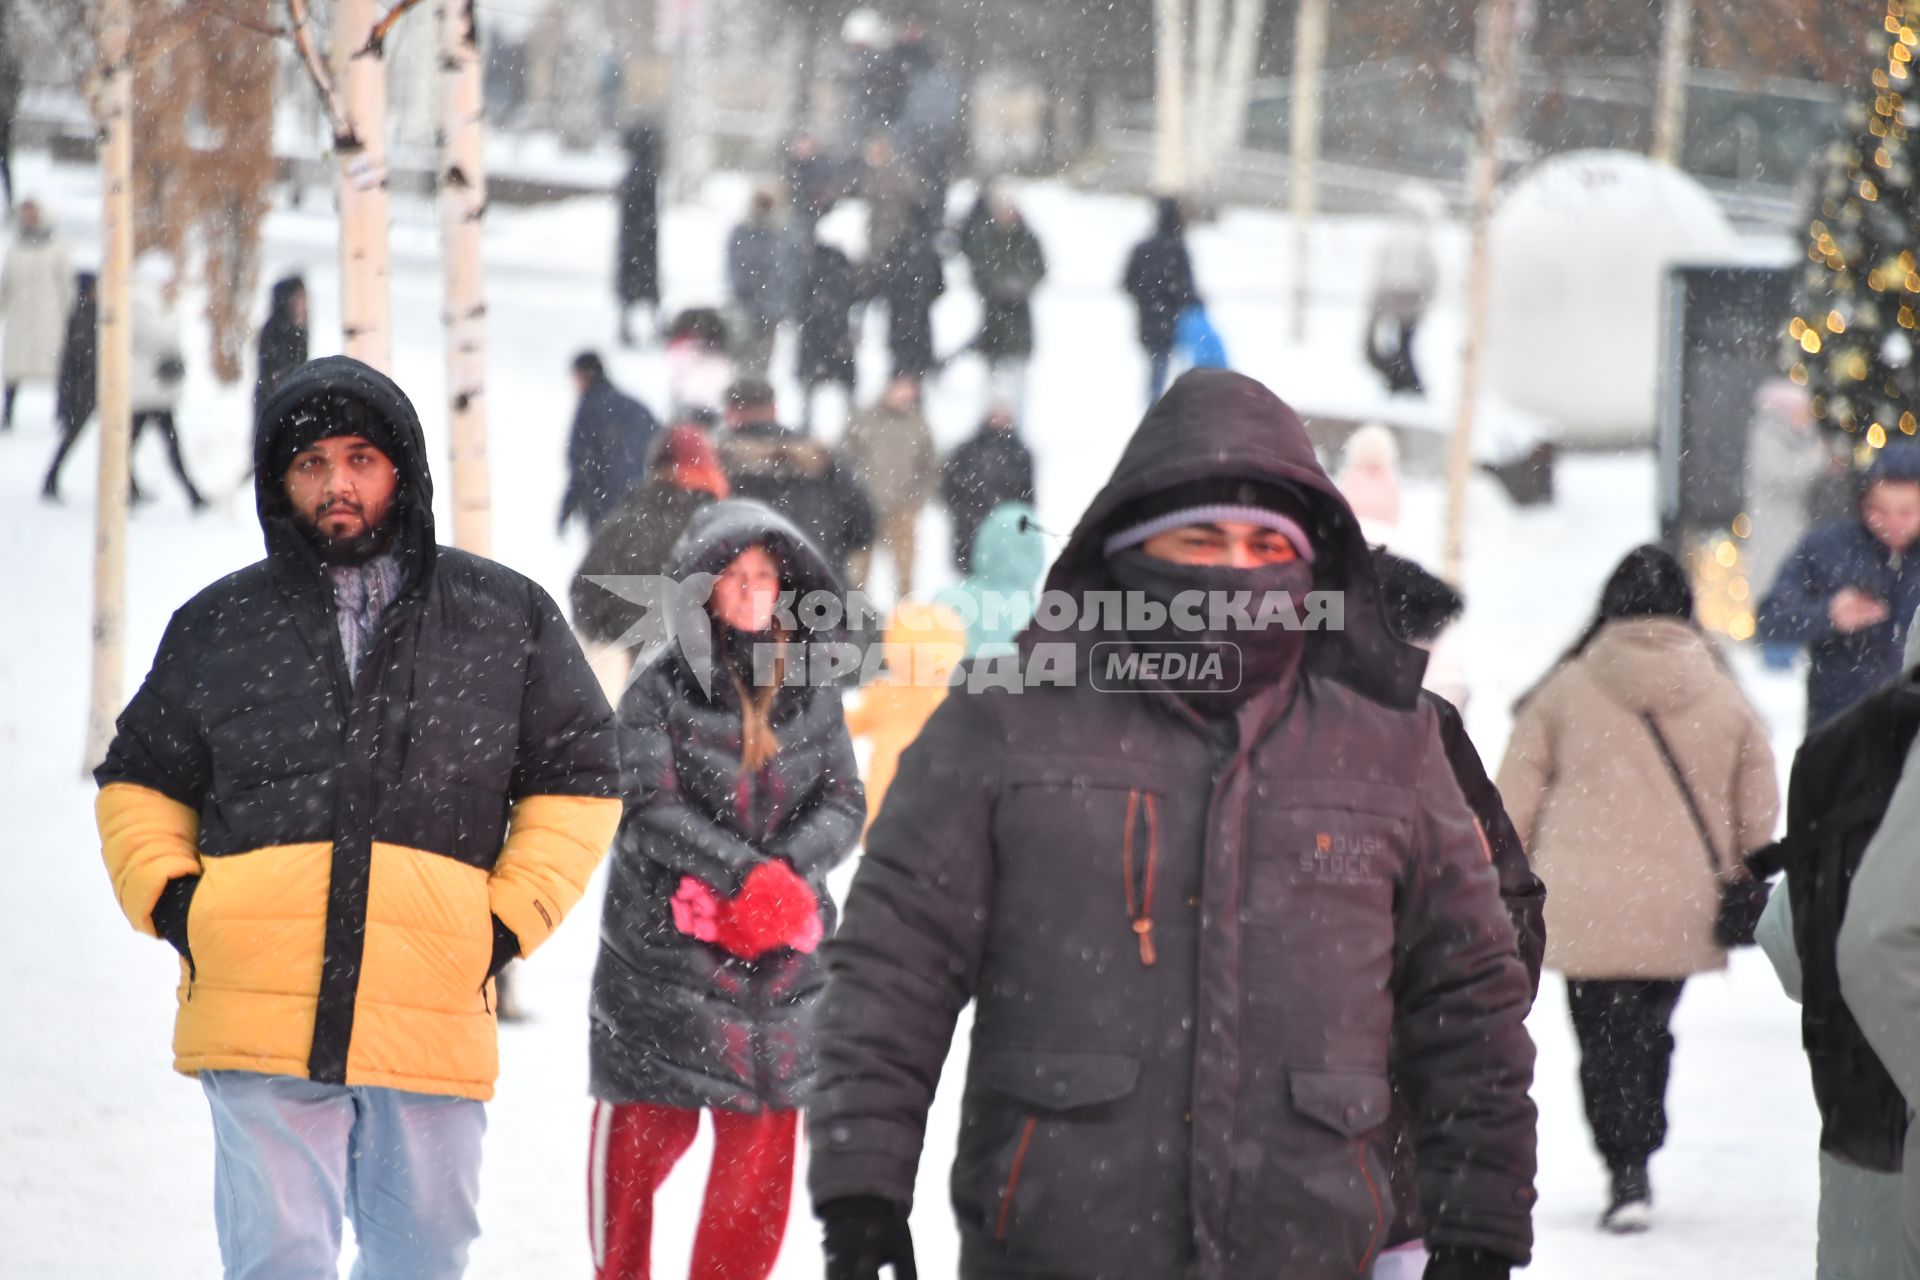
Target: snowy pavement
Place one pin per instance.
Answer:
(105, 1155)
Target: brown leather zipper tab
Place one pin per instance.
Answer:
(1141, 916)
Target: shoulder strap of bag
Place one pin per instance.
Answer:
(1686, 792)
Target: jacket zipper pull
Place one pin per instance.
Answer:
(1140, 916)
(1144, 928)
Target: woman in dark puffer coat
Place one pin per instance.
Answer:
(741, 797)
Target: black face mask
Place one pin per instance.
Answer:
(354, 551)
(1267, 656)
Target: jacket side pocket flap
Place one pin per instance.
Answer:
(1347, 1102)
(1057, 1080)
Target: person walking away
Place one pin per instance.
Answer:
(1159, 279)
(282, 345)
(1638, 778)
(826, 354)
(607, 448)
(922, 645)
(757, 276)
(890, 448)
(159, 367)
(988, 468)
(1841, 794)
(699, 368)
(76, 395)
(683, 476)
(1420, 609)
(911, 279)
(637, 269)
(743, 794)
(810, 485)
(1849, 586)
(996, 598)
(1785, 457)
(1369, 479)
(36, 297)
(1405, 278)
(362, 773)
(1195, 935)
(1008, 264)
(1878, 977)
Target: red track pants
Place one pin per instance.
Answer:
(749, 1190)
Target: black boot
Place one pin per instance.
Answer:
(1631, 1209)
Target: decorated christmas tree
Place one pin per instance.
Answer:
(1851, 339)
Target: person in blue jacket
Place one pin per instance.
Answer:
(607, 450)
(1849, 586)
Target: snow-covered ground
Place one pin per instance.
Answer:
(105, 1154)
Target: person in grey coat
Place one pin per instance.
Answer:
(758, 258)
(1878, 958)
(1846, 777)
(1785, 459)
(1198, 924)
(742, 794)
(1859, 1219)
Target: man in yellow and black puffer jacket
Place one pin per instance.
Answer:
(361, 776)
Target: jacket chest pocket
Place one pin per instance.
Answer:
(1101, 877)
(1058, 1168)
(1320, 889)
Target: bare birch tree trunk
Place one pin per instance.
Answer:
(1496, 63)
(113, 97)
(361, 159)
(1236, 77)
(1670, 94)
(1169, 96)
(1203, 91)
(463, 207)
(1309, 60)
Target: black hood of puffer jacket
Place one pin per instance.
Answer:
(1214, 424)
(287, 547)
(721, 531)
(718, 533)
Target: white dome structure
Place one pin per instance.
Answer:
(1581, 246)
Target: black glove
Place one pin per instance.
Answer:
(170, 915)
(864, 1234)
(1454, 1262)
(506, 947)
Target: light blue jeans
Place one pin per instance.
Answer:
(293, 1158)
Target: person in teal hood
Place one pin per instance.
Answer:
(996, 599)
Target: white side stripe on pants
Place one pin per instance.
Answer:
(597, 1180)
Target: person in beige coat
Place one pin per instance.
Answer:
(36, 292)
(892, 454)
(1632, 888)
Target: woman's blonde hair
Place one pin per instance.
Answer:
(758, 742)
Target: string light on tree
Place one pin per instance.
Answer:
(1848, 342)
